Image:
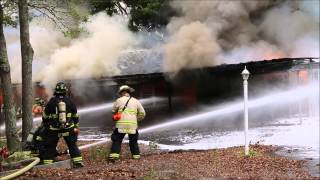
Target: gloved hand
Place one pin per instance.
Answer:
(76, 131)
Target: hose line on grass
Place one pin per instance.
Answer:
(35, 161)
(94, 144)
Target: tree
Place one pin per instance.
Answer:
(13, 142)
(65, 14)
(26, 58)
(7, 10)
(145, 14)
(52, 10)
(148, 14)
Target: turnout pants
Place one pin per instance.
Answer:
(51, 138)
(117, 138)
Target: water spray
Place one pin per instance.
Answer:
(105, 107)
(283, 97)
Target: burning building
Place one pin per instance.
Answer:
(196, 60)
(190, 89)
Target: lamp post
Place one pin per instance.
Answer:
(245, 75)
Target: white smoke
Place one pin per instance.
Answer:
(206, 33)
(240, 31)
(45, 39)
(306, 46)
(93, 55)
(288, 27)
(56, 57)
(14, 56)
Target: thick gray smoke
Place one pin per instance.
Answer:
(213, 32)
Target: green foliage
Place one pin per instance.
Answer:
(143, 14)
(252, 153)
(18, 156)
(99, 153)
(148, 14)
(10, 12)
(2, 143)
(78, 14)
(108, 6)
(73, 32)
(9, 21)
(65, 14)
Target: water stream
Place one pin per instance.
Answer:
(91, 109)
(275, 98)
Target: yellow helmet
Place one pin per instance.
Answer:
(125, 88)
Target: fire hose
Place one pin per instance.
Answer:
(35, 161)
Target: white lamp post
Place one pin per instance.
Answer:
(245, 75)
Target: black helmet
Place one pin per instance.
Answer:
(61, 88)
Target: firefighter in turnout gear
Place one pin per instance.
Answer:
(127, 112)
(60, 119)
(37, 108)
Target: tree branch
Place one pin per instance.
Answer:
(52, 13)
(122, 9)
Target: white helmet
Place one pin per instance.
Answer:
(125, 88)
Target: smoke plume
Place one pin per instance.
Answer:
(45, 39)
(212, 32)
(94, 54)
(206, 33)
(192, 42)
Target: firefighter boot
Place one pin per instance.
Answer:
(77, 165)
(113, 157)
(77, 162)
(136, 156)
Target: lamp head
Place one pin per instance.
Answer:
(245, 73)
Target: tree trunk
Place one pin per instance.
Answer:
(1, 111)
(26, 57)
(13, 142)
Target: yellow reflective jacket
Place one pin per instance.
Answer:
(133, 113)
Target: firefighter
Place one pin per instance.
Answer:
(34, 141)
(37, 108)
(131, 112)
(60, 119)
